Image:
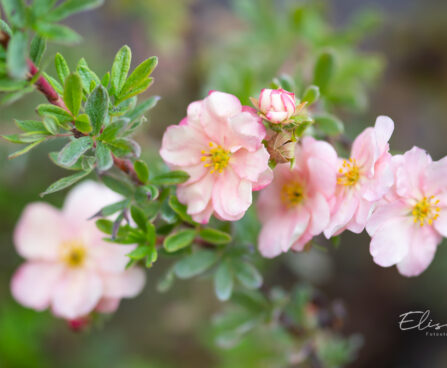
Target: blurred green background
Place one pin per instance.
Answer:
(239, 46)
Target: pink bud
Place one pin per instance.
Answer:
(277, 105)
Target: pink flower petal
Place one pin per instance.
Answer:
(384, 213)
(250, 165)
(264, 179)
(126, 284)
(231, 195)
(422, 247)
(108, 305)
(383, 129)
(246, 131)
(344, 209)
(197, 195)
(40, 231)
(440, 223)
(33, 284)
(319, 209)
(76, 294)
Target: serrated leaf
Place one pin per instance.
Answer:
(247, 274)
(214, 236)
(16, 55)
(223, 281)
(195, 264)
(104, 158)
(65, 182)
(61, 115)
(170, 178)
(179, 240)
(37, 49)
(97, 107)
(70, 7)
(142, 170)
(73, 150)
(73, 93)
(120, 68)
(62, 68)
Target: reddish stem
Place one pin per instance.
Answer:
(53, 98)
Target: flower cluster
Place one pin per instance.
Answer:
(401, 200)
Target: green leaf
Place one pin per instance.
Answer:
(104, 158)
(74, 149)
(114, 208)
(166, 282)
(30, 125)
(136, 90)
(70, 7)
(73, 93)
(247, 274)
(97, 107)
(51, 124)
(77, 166)
(112, 130)
(139, 79)
(104, 225)
(7, 84)
(26, 149)
(118, 186)
(152, 257)
(16, 56)
(62, 68)
(61, 115)
(15, 11)
(195, 264)
(54, 83)
(179, 240)
(142, 170)
(105, 79)
(214, 236)
(65, 182)
(82, 123)
(88, 77)
(37, 49)
(120, 68)
(124, 147)
(5, 27)
(41, 7)
(140, 252)
(329, 124)
(324, 70)
(57, 33)
(142, 108)
(180, 209)
(139, 217)
(170, 178)
(223, 281)
(311, 94)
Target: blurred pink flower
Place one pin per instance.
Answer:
(277, 105)
(69, 267)
(363, 179)
(408, 225)
(295, 207)
(219, 144)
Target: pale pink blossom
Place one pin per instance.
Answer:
(407, 226)
(219, 144)
(363, 179)
(69, 267)
(277, 105)
(295, 207)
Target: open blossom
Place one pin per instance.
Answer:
(277, 105)
(68, 266)
(295, 207)
(408, 225)
(219, 144)
(363, 179)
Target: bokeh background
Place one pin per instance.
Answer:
(239, 46)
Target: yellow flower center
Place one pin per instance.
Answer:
(73, 253)
(292, 194)
(350, 173)
(426, 210)
(217, 157)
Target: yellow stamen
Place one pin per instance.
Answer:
(350, 173)
(73, 253)
(425, 211)
(292, 194)
(217, 158)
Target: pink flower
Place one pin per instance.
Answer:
(295, 207)
(219, 144)
(277, 105)
(363, 179)
(69, 267)
(408, 225)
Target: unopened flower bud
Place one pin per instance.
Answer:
(281, 147)
(277, 105)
